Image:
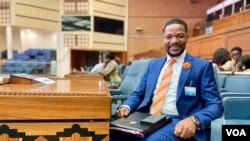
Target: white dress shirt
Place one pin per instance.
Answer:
(169, 105)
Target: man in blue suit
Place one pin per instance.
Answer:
(192, 99)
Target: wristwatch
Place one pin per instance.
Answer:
(196, 121)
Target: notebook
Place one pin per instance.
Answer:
(139, 124)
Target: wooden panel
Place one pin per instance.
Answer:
(238, 37)
(151, 54)
(246, 17)
(22, 79)
(32, 128)
(232, 21)
(151, 17)
(63, 131)
(205, 45)
(66, 99)
(167, 8)
(140, 45)
(68, 110)
(80, 76)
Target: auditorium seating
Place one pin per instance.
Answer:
(236, 112)
(121, 69)
(221, 80)
(30, 61)
(125, 72)
(237, 83)
(129, 83)
(235, 94)
(234, 83)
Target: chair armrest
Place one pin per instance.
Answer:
(222, 90)
(115, 91)
(119, 97)
(216, 127)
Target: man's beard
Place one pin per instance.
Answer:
(175, 55)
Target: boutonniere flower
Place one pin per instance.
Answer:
(186, 65)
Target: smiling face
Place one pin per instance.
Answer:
(175, 39)
(236, 54)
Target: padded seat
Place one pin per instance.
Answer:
(129, 83)
(221, 80)
(237, 84)
(236, 111)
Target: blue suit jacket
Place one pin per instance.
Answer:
(206, 105)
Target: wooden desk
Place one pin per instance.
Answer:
(83, 76)
(22, 79)
(68, 110)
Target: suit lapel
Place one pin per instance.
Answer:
(184, 75)
(156, 70)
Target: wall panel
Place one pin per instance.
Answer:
(151, 16)
(109, 9)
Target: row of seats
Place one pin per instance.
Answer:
(234, 83)
(131, 79)
(236, 112)
(235, 94)
(30, 61)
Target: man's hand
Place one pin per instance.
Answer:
(122, 112)
(185, 128)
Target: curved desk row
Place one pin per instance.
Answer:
(68, 110)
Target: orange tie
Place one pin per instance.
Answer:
(160, 96)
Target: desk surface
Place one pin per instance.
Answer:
(65, 99)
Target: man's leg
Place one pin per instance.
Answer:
(165, 133)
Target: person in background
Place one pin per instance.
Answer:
(236, 53)
(190, 98)
(118, 60)
(100, 66)
(222, 59)
(244, 63)
(111, 71)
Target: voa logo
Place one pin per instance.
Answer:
(236, 132)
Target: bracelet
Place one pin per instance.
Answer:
(196, 121)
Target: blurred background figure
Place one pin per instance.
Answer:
(100, 66)
(236, 53)
(118, 60)
(111, 70)
(244, 63)
(222, 59)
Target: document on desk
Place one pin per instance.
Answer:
(139, 124)
(44, 80)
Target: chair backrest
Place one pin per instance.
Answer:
(236, 107)
(125, 72)
(234, 94)
(216, 76)
(121, 69)
(237, 84)
(133, 76)
(222, 79)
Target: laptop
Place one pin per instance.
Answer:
(139, 124)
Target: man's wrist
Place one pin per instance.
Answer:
(196, 121)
